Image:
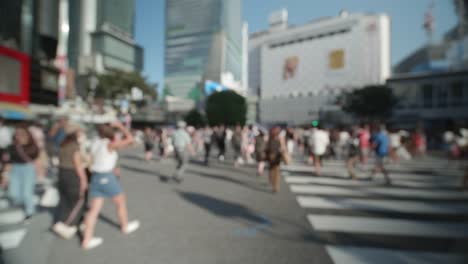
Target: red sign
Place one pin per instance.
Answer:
(15, 81)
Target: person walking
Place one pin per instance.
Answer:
(320, 140)
(236, 141)
(274, 151)
(6, 138)
(395, 145)
(207, 135)
(364, 143)
(148, 142)
(380, 144)
(56, 135)
(20, 167)
(353, 153)
(290, 138)
(72, 184)
(104, 183)
(42, 162)
(260, 145)
(221, 141)
(181, 141)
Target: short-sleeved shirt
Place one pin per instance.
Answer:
(364, 138)
(66, 155)
(381, 140)
(180, 139)
(22, 153)
(59, 137)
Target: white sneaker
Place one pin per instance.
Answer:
(94, 242)
(63, 230)
(132, 227)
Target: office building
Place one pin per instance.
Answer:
(298, 71)
(102, 36)
(203, 42)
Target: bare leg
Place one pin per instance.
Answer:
(260, 168)
(385, 173)
(318, 167)
(350, 165)
(121, 206)
(274, 178)
(91, 218)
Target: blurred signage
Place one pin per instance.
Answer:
(336, 59)
(137, 94)
(49, 80)
(14, 76)
(211, 87)
(290, 67)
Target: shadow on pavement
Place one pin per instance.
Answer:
(230, 180)
(162, 178)
(222, 208)
(109, 221)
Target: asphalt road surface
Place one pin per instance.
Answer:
(222, 214)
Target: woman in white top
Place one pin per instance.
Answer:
(104, 183)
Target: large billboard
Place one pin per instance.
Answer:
(315, 62)
(14, 76)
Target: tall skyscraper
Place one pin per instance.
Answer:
(102, 36)
(203, 42)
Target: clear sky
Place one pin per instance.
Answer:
(407, 17)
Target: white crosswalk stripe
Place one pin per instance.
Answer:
(387, 226)
(420, 206)
(359, 255)
(12, 239)
(379, 191)
(12, 231)
(382, 205)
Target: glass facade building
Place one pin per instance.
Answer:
(203, 40)
(102, 36)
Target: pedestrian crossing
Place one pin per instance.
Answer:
(420, 218)
(12, 226)
(12, 231)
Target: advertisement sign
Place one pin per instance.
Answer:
(290, 67)
(14, 76)
(336, 59)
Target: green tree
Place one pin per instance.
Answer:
(226, 107)
(195, 118)
(166, 91)
(370, 102)
(117, 83)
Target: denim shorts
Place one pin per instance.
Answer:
(104, 185)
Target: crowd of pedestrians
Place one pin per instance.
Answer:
(354, 144)
(86, 176)
(88, 172)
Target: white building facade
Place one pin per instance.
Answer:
(297, 72)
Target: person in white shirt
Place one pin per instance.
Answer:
(319, 141)
(395, 144)
(104, 183)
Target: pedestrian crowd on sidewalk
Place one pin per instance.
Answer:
(88, 170)
(87, 173)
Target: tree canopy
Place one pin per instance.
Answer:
(370, 102)
(195, 118)
(117, 83)
(226, 107)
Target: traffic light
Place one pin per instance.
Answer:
(315, 123)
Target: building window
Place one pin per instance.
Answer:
(456, 94)
(427, 95)
(442, 95)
